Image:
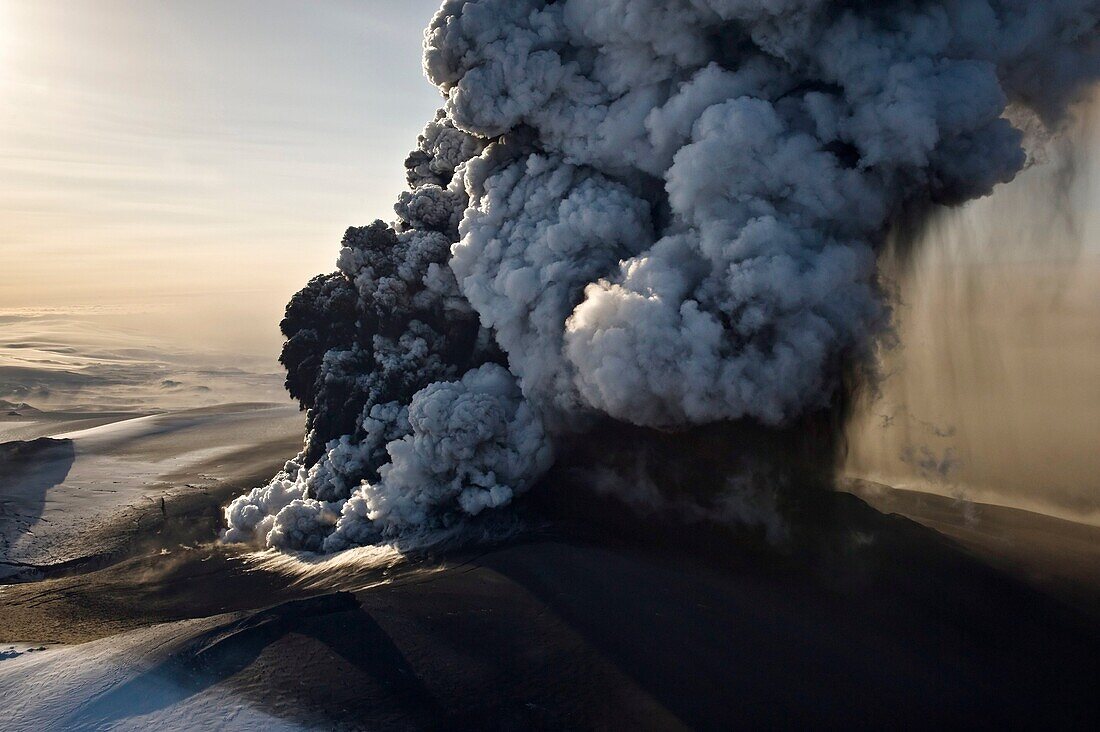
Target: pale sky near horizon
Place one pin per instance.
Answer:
(196, 161)
(187, 147)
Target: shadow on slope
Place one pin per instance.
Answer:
(865, 619)
(335, 621)
(28, 470)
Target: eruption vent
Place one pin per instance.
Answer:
(664, 213)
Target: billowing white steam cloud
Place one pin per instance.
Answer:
(665, 212)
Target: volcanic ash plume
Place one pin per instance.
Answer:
(660, 213)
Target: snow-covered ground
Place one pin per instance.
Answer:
(56, 492)
(85, 363)
(125, 682)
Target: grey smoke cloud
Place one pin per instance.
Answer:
(666, 212)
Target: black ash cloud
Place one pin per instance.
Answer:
(662, 212)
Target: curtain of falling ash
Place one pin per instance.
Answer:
(993, 391)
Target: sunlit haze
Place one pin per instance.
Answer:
(197, 156)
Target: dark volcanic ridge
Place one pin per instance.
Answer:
(867, 619)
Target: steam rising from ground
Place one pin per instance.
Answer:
(660, 213)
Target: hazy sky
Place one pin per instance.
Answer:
(196, 161)
(152, 149)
